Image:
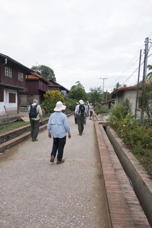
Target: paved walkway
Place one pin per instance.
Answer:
(37, 194)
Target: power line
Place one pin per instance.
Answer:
(132, 73)
(150, 46)
(131, 62)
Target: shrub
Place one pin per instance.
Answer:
(99, 109)
(70, 104)
(50, 99)
(120, 111)
(134, 134)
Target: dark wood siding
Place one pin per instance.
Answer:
(35, 86)
(32, 87)
(12, 97)
(12, 81)
(43, 86)
(1, 94)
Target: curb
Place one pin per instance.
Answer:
(12, 142)
(140, 180)
(9, 135)
(124, 208)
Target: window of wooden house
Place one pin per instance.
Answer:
(20, 76)
(1, 94)
(12, 98)
(8, 72)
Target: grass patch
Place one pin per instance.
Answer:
(11, 126)
(146, 161)
(136, 136)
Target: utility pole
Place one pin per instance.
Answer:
(103, 85)
(144, 77)
(137, 93)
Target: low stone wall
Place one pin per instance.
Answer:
(141, 182)
(17, 132)
(11, 138)
(6, 119)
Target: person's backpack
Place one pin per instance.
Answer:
(33, 111)
(81, 110)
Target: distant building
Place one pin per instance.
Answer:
(56, 86)
(126, 93)
(36, 86)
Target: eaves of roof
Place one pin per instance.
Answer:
(135, 87)
(57, 84)
(34, 76)
(9, 59)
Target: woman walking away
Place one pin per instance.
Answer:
(58, 127)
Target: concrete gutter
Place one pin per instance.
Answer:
(141, 182)
(124, 207)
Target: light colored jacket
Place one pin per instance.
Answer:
(77, 110)
(39, 111)
(58, 125)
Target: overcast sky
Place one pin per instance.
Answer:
(81, 40)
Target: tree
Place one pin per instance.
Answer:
(95, 95)
(149, 75)
(77, 92)
(118, 85)
(146, 99)
(50, 99)
(45, 71)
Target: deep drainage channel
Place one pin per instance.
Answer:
(138, 185)
(118, 157)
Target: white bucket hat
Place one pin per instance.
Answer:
(59, 107)
(35, 101)
(81, 102)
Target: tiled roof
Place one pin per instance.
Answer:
(36, 76)
(126, 89)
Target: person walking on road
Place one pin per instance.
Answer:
(58, 127)
(35, 114)
(75, 116)
(80, 113)
(91, 111)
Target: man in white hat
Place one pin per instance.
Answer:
(80, 113)
(58, 127)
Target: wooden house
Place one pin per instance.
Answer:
(36, 86)
(12, 82)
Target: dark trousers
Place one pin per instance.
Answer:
(58, 146)
(75, 119)
(34, 129)
(80, 121)
(91, 113)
